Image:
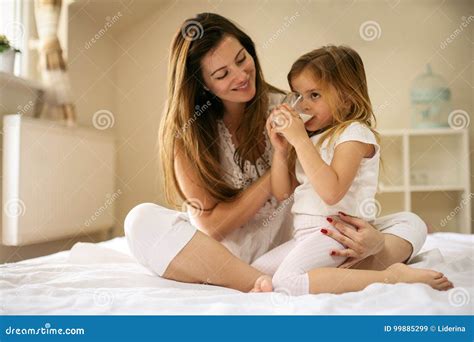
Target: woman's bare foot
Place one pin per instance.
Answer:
(263, 284)
(401, 273)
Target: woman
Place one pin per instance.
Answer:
(216, 155)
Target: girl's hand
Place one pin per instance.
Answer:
(289, 124)
(279, 143)
(359, 236)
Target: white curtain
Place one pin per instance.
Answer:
(52, 64)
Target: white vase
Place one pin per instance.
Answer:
(7, 61)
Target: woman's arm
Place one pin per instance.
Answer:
(368, 248)
(222, 217)
(333, 181)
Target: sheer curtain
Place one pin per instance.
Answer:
(17, 23)
(52, 63)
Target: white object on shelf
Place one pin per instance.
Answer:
(7, 61)
(58, 181)
(427, 171)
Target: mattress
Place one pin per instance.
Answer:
(104, 279)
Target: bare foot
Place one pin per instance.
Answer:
(401, 273)
(263, 284)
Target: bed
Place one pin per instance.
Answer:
(103, 279)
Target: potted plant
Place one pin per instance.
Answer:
(7, 55)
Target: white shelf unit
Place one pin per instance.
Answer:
(427, 171)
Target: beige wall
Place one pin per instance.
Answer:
(411, 33)
(92, 79)
(125, 70)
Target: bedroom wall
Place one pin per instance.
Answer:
(93, 89)
(125, 70)
(410, 36)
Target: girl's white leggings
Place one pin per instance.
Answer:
(290, 262)
(156, 235)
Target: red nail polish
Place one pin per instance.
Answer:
(324, 231)
(342, 213)
(333, 253)
(329, 219)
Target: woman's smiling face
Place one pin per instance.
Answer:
(229, 71)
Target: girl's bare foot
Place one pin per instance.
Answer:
(263, 284)
(401, 273)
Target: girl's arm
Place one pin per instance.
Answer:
(220, 218)
(332, 182)
(283, 182)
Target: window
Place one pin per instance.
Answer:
(13, 25)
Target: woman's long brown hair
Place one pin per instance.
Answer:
(189, 124)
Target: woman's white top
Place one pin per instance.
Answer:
(271, 225)
(360, 198)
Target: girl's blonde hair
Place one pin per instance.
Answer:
(189, 123)
(340, 71)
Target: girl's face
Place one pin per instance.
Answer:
(315, 100)
(229, 72)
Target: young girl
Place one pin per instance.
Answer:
(336, 170)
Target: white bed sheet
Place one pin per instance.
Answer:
(103, 278)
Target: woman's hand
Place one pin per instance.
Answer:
(359, 236)
(289, 123)
(278, 141)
